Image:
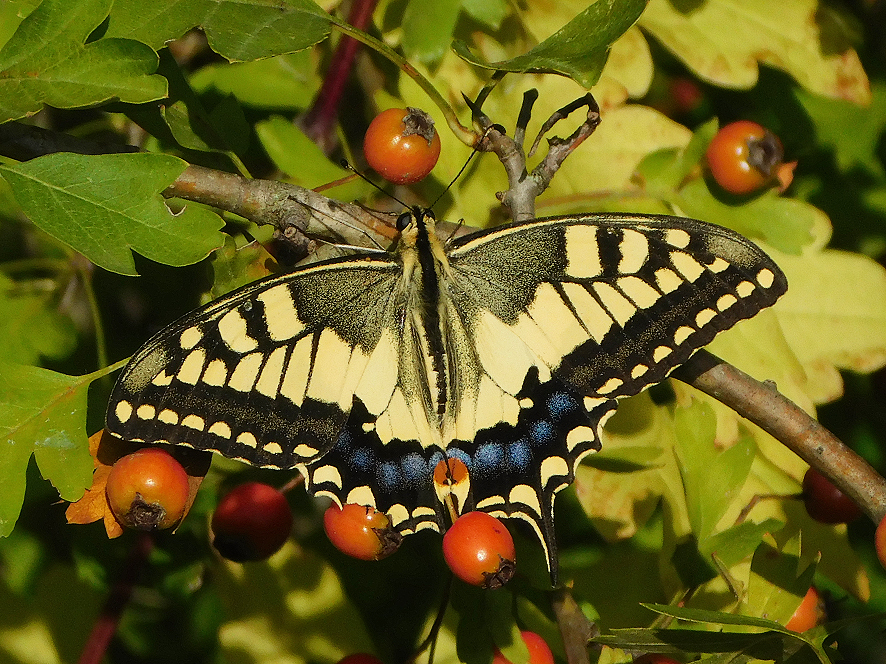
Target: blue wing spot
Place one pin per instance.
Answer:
(488, 459)
(561, 404)
(389, 476)
(344, 440)
(362, 460)
(542, 433)
(519, 456)
(415, 469)
(455, 453)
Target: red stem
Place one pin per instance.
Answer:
(320, 119)
(106, 624)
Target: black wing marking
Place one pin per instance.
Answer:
(262, 374)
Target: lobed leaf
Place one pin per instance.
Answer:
(47, 61)
(42, 413)
(578, 50)
(106, 206)
(834, 315)
(725, 41)
(240, 30)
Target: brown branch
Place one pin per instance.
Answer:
(295, 212)
(523, 187)
(575, 629)
(765, 406)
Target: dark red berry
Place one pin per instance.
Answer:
(825, 502)
(251, 522)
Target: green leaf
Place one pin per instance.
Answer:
(783, 223)
(22, 311)
(238, 30)
(625, 459)
(427, 28)
(106, 206)
(48, 62)
(285, 82)
(489, 12)
(725, 41)
(578, 50)
(302, 160)
(41, 413)
(223, 129)
(664, 171)
(833, 118)
(775, 589)
(734, 544)
(712, 478)
(765, 646)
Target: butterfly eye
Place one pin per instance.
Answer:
(403, 221)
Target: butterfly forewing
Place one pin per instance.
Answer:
(268, 373)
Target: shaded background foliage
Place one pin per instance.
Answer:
(676, 469)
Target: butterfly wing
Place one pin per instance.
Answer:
(268, 374)
(561, 317)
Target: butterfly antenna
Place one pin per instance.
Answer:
(457, 176)
(463, 168)
(347, 166)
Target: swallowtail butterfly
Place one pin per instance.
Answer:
(507, 349)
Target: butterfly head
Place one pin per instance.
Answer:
(414, 224)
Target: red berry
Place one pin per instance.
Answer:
(809, 614)
(360, 658)
(744, 156)
(252, 522)
(361, 532)
(539, 652)
(825, 502)
(402, 145)
(148, 489)
(686, 94)
(655, 658)
(479, 550)
(880, 542)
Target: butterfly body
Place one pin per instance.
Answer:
(506, 349)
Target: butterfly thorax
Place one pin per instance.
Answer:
(424, 268)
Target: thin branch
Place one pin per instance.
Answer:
(319, 122)
(523, 187)
(295, 212)
(766, 407)
(106, 624)
(22, 141)
(575, 629)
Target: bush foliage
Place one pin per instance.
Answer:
(104, 104)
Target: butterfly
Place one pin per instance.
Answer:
(506, 349)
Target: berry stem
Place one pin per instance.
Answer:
(319, 121)
(465, 135)
(106, 624)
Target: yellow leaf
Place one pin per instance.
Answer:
(725, 41)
